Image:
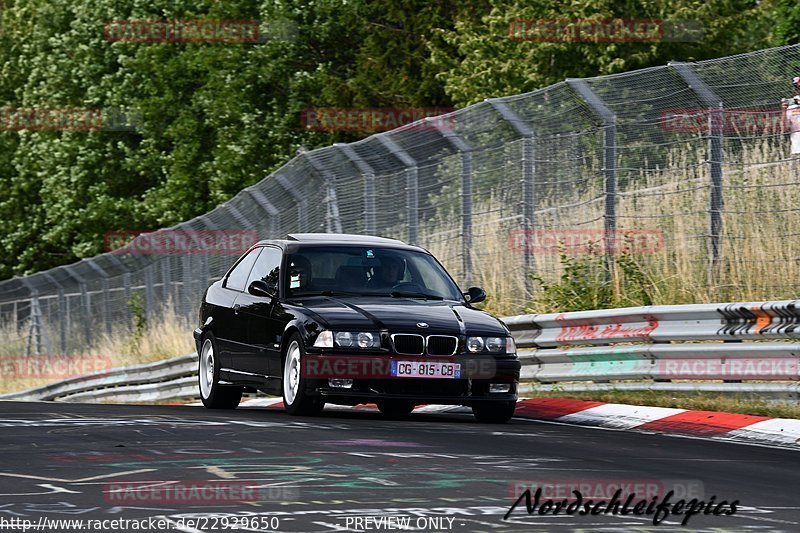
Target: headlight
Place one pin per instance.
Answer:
(355, 339)
(492, 344)
(344, 338)
(365, 340)
(475, 344)
(324, 340)
(495, 344)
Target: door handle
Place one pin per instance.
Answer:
(236, 309)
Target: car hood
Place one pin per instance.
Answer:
(401, 315)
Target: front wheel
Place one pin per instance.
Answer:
(296, 400)
(494, 412)
(214, 395)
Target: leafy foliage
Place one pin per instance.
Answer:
(491, 64)
(594, 281)
(214, 118)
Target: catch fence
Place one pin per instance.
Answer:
(684, 169)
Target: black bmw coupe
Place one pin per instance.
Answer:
(351, 319)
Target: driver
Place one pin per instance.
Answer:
(299, 272)
(388, 274)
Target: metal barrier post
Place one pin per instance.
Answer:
(715, 137)
(460, 144)
(609, 122)
(525, 131)
(369, 186)
(412, 186)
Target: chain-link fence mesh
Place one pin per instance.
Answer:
(685, 169)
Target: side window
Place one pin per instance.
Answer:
(238, 277)
(267, 267)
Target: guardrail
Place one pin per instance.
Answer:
(730, 348)
(162, 380)
(742, 348)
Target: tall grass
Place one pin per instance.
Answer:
(759, 254)
(162, 336)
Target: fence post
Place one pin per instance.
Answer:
(369, 185)
(126, 282)
(166, 278)
(186, 258)
(86, 302)
(609, 121)
(104, 302)
(149, 303)
(63, 314)
(412, 186)
(300, 200)
(35, 326)
(715, 157)
(62, 321)
(460, 144)
(333, 224)
(525, 131)
(466, 215)
(266, 205)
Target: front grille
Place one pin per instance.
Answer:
(442, 345)
(409, 344)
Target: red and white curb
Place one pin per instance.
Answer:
(706, 424)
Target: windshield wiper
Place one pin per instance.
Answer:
(326, 293)
(402, 294)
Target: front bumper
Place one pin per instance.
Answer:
(372, 382)
(360, 394)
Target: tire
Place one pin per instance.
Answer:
(296, 399)
(214, 395)
(395, 409)
(494, 412)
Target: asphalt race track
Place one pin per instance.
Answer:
(441, 472)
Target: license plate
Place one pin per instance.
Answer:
(421, 369)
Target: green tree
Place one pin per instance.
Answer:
(490, 63)
(214, 117)
(787, 22)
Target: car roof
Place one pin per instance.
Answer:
(339, 238)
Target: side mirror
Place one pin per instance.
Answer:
(475, 295)
(261, 288)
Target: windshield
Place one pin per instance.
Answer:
(368, 271)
